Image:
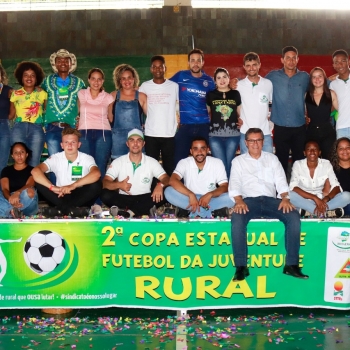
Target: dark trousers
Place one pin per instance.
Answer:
(325, 135)
(184, 137)
(289, 138)
(164, 145)
(139, 204)
(84, 196)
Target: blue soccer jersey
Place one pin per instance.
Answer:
(192, 96)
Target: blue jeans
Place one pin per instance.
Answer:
(225, 149)
(33, 136)
(98, 144)
(339, 201)
(345, 132)
(53, 139)
(184, 137)
(266, 207)
(5, 143)
(267, 146)
(30, 205)
(182, 201)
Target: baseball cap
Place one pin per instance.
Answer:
(135, 132)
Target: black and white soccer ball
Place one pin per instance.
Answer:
(44, 251)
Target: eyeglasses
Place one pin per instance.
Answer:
(251, 142)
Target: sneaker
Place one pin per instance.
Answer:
(335, 213)
(222, 213)
(183, 213)
(79, 212)
(51, 212)
(153, 212)
(304, 214)
(114, 210)
(124, 213)
(96, 211)
(16, 213)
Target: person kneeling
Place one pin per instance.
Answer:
(200, 195)
(128, 180)
(255, 178)
(78, 182)
(308, 180)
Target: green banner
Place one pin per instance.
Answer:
(168, 265)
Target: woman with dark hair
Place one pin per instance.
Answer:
(96, 134)
(27, 106)
(18, 195)
(224, 107)
(319, 101)
(307, 185)
(5, 135)
(126, 113)
(340, 159)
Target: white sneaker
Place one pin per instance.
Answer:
(114, 210)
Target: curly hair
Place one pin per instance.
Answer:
(3, 75)
(334, 153)
(27, 65)
(119, 70)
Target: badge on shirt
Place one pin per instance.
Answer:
(63, 93)
(77, 172)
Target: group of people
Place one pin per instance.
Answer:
(189, 117)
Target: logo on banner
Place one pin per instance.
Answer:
(342, 241)
(338, 291)
(344, 272)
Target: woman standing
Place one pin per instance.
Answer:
(319, 101)
(126, 113)
(27, 105)
(18, 195)
(96, 134)
(340, 159)
(5, 136)
(224, 107)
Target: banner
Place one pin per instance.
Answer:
(168, 265)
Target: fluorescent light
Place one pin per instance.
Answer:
(274, 4)
(40, 5)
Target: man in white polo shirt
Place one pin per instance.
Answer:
(127, 183)
(78, 182)
(161, 123)
(205, 188)
(341, 86)
(256, 96)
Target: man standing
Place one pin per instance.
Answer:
(205, 190)
(255, 178)
(128, 180)
(161, 122)
(78, 179)
(341, 86)
(256, 96)
(288, 110)
(62, 103)
(194, 118)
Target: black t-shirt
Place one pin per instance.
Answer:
(223, 112)
(17, 178)
(343, 176)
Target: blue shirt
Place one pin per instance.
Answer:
(192, 96)
(288, 97)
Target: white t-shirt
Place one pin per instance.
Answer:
(201, 182)
(140, 178)
(342, 89)
(255, 104)
(68, 172)
(161, 108)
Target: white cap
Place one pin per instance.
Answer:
(135, 132)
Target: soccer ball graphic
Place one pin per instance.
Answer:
(44, 251)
